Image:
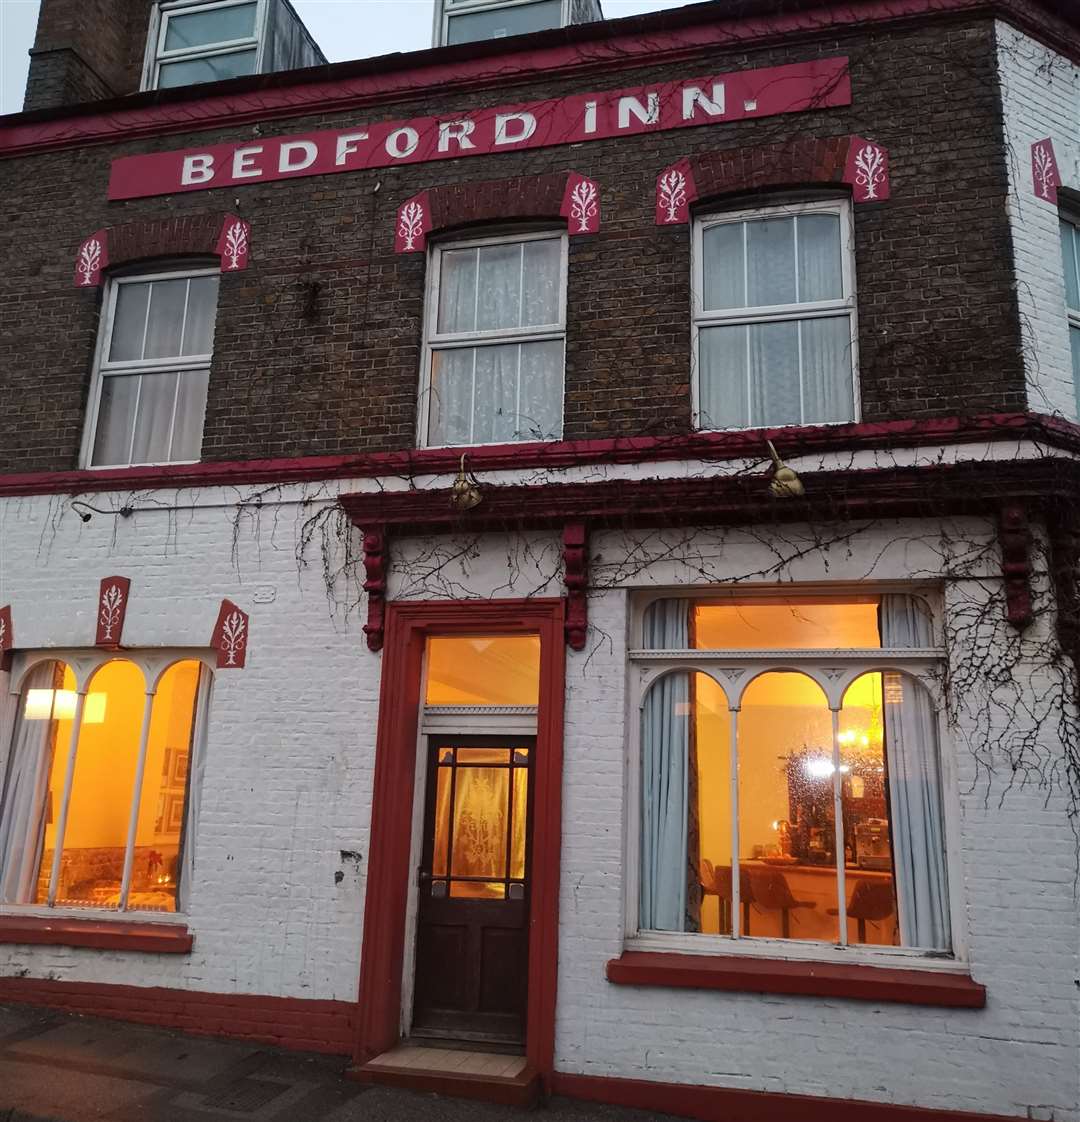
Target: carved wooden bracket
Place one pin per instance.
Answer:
(1014, 535)
(1064, 526)
(375, 569)
(7, 637)
(576, 579)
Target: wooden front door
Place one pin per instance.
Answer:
(473, 940)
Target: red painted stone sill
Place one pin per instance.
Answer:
(104, 935)
(742, 973)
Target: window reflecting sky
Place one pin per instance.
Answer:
(343, 28)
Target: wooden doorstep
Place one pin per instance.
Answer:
(486, 1076)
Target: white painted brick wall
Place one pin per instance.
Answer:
(1041, 97)
(1019, 1055)
(290, 755)
(289, 779)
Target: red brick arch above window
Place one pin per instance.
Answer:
(570, 196)
(861, 164)
(212, 235)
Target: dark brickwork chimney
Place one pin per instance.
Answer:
(86, 50)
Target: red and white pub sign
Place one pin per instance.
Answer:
(765, 92)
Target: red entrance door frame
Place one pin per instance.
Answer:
(408, 624)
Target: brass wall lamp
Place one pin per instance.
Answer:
(785, 484)
(465, 493)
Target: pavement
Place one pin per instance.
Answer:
(60, 1068)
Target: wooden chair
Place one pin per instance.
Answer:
(871, 900)
(772, 891)
(716, 881)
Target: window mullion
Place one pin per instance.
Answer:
(146, 321)
(736, 909)
(838, 829)
(802, 377)
(517, 393)
(135, 420)
(472, 402)
(172, 418)
(65, 799)
(136, 799)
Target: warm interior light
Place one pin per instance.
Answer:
(93, 710)
(818, 767)
(38, 705)
(42, 705)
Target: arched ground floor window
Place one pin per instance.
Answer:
(788, 773)
(98, 802)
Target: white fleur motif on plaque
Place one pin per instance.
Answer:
(1045, 177)
(233, 637)
(89, 260)
(870, 169)
(3, 631)
(583, 204)
(112, 602)
(411, 224)
(672, 193)
(236, 243)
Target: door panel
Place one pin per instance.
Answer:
(472, 938)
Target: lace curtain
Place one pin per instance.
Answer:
(915, 789)
(24, 808)
(670, 890)
(501, 391)
(794, 371)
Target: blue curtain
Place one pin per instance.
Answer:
(913, 759)
(665, 749)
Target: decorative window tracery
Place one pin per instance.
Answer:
(99, 801)
(789, 778)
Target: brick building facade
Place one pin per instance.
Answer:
(912, 354)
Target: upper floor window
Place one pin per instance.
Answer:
(497, 21)
(97, 808)
(789, 772)
(148, 397)
(495, 341)
(199, 42)
(774, 317)
(1070, 256)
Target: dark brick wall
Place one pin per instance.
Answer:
(86, 50)
(318, 342)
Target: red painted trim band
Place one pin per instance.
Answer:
(573, 119)
(716, 446)
(725, 1104)
(289, 1022)
(746, 974)
(112, 935)
(588, 48)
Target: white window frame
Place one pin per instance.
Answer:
(104, 368)
(445, 9)
(433, 341)
(775, 313)
(84, 664)
(833, 670)
(1072, 315)
(159, 25)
